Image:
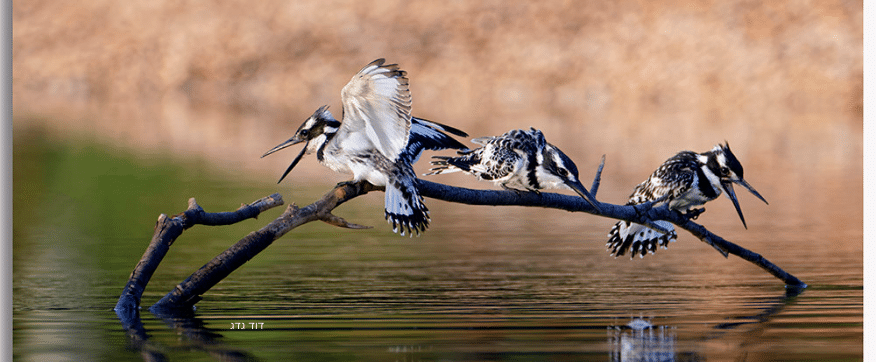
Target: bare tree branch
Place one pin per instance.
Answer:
(186, 294)
(167, 230)
(632, 213)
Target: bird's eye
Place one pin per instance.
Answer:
(725, 171)
(304, 132)
(563, 172)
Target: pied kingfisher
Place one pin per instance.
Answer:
(684, 181)
(517, 160)
(377, 141)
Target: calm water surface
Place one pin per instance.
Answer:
(481, 284)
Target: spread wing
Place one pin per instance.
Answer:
(428, 135)
(377, 102)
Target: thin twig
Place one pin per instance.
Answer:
(597, 178)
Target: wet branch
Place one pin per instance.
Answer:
(167, 230)
(184, 296)
(641, 214)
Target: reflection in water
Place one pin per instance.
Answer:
(638, 340)
(204, 339)
(490, 283)
(772, 308)
(198, 337)
(138, 340)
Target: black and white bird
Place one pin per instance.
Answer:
(684, 181)
(518, 160)
(377, 141)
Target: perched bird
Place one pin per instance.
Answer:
(685, 180)
(517, 160)
(377, 141)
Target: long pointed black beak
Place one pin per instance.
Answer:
(752, 190)
(580, 190)
(728, 187)
(289, 142)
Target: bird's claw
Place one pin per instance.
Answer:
(346, 183)
(693, 214)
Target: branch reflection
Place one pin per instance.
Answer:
(639, 340)
(198, 336)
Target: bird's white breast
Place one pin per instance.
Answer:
(353, 155)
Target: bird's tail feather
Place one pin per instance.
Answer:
(404, 208)
(464, 162)
(442, 165)
(638, 239)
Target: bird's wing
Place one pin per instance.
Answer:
(440, 127)
(675, 176)
(377, 101)
(428, 135)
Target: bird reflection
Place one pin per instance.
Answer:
(639, 340)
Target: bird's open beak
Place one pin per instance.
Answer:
(579, 188)
(289, 142)
(728, 187)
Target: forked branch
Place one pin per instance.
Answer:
(167, 230)
(186, 294)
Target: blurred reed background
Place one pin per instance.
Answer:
(223, 81)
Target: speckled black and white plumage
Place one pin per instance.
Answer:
(684, 181)
(519, 160)
(507, 160)
(377, 141)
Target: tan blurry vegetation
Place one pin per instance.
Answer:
(635, 80)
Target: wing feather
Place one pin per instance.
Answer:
(377, 101)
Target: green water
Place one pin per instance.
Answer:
(481, 284)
